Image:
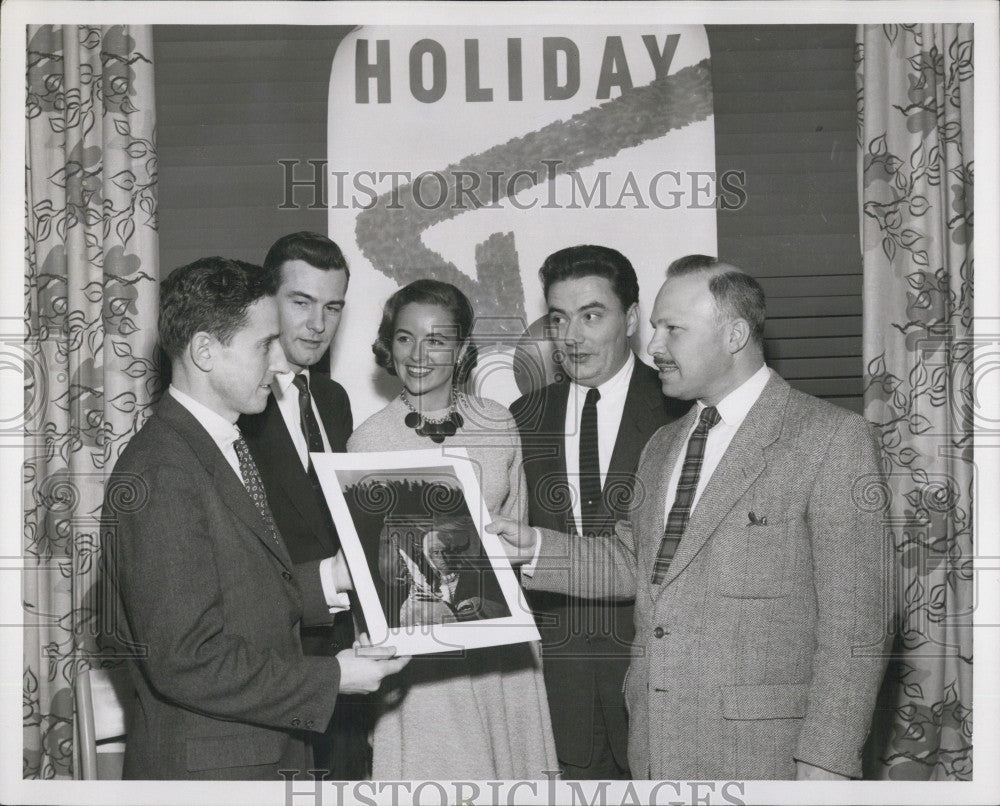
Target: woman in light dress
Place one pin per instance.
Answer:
(479, 714)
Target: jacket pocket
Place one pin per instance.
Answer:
(219, 752)
(768, 701)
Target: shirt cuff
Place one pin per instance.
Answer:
(528, 569)
(335, 600)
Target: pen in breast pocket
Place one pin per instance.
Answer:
(755, 521)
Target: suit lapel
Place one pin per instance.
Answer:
(236, 497)
(227, 484)
(327, 405)
(639, 420)
(276, 444)
(742, 463)
(553, 450)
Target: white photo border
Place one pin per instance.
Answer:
(427, 638)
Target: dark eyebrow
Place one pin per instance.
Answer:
(588, 306)
(311, 298)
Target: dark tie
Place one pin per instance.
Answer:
(680, 512)
(310, 429)
(251, 480)
(590, 465)
(307, 420)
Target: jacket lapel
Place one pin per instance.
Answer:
(327, 405)
(555, 423)
(225, 481)
(640, 418)
(276, 444)
(742, 463)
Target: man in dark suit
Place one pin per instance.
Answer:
(206, 595)
(757, 558)
(308, 412)
(581, 439)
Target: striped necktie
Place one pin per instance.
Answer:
(687, 485)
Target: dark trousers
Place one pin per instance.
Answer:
(343, 749)
(602, 764)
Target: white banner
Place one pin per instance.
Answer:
(470, 153)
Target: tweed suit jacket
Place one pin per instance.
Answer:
(765, 642)
(585, 647)
(209, 604)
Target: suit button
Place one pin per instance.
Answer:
(296, 722)
(286, 575)
(659, 632)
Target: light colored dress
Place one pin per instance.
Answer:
(481, 715)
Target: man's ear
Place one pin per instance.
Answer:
(631, 319)
(739, 335)
(201, 350)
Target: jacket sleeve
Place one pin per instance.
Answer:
(852, 569)
(166, 569)
(585, 567)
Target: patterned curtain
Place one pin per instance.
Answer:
(90, 319)
(916, 172)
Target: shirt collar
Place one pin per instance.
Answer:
(222, 431)
(735, 406)
(283, 380)
(616, 383)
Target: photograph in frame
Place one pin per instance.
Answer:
(428, 577)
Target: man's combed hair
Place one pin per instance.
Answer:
(311, 247)
(736, 293)
(428, 292)
(588, 260)
(210, 295)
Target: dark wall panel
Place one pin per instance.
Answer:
(784, 114)
(233, 100)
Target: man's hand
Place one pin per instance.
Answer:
(363, 667)
(809, 772)
(517, 539)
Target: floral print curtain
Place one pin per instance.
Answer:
(91, 257)
(915, 128)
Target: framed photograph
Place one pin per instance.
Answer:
(429, 579)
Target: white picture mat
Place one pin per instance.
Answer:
(426, 638)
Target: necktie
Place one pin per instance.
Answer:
(251, 480)
(307, 420)
(590, 466)
(680, 512)
(310, 429)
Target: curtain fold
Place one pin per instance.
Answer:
(91, 256)
(915, 154)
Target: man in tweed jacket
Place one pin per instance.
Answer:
(761, 635)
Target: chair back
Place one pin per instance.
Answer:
(101, 697)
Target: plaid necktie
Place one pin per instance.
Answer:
(680, 512)
(251, 480)
(307, 420)
(590, 466)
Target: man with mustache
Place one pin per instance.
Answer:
(584, 434)
(760, 569)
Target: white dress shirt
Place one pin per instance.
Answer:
(224, 434)
(609, 418)
(286, 394)
(733, 409)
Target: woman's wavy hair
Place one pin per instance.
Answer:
(429, 292)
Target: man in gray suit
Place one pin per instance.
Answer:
(208, 599)
(760, 572)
